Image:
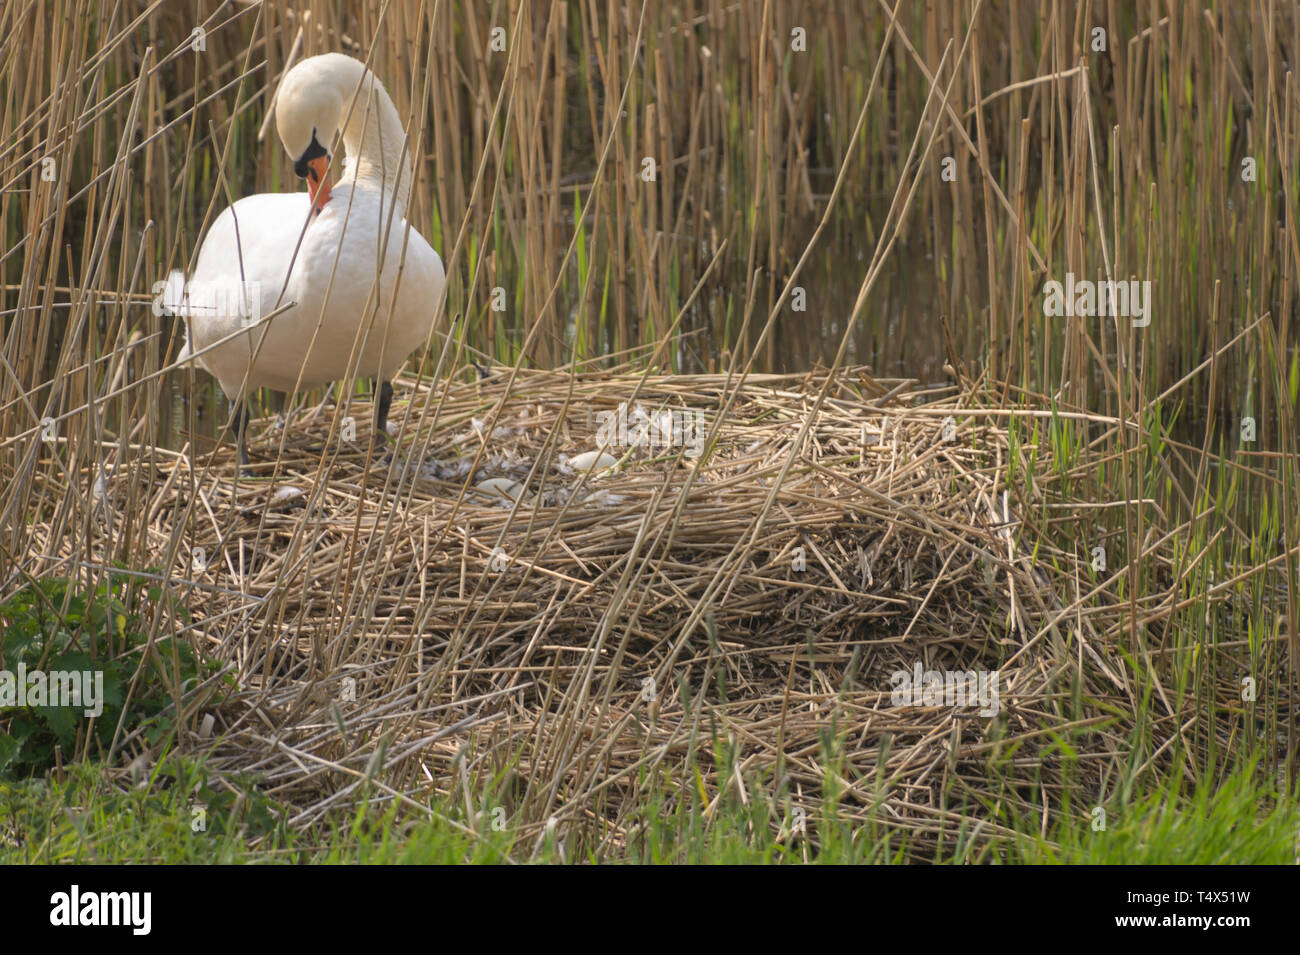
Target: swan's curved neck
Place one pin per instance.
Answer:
(373, 136)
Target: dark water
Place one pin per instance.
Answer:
(897, 335)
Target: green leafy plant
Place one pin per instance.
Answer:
(52, 625)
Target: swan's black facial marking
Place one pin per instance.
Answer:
(314, 151)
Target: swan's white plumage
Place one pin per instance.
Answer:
(251, 247)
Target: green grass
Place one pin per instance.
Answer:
(182, 814)
(175, 815)
(1239, 821)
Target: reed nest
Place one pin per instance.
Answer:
(387, 628)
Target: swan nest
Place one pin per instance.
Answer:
(575, 570)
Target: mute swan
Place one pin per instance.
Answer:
(344, 324)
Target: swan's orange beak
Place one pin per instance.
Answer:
(318, 184)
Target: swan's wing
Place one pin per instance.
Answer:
(252, 243)
(422, 280)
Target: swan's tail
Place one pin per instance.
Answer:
(172, 300)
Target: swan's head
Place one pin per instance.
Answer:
(308, 110)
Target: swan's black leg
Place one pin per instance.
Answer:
(239, 424)
(381, 412)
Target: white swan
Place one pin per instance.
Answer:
(344, 324)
